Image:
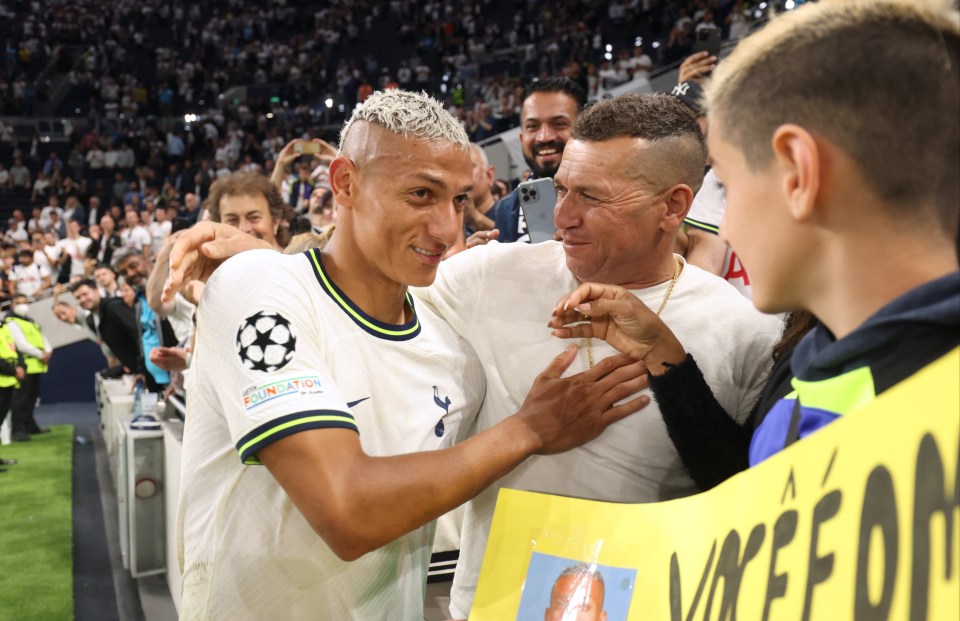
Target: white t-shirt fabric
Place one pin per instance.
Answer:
(40, 258)
(706, 214)
(181, 318)
(135, 238)
(18, 232)
(45, 214)
(28, 279)
(53, 256)
(245, 551)
(500, 297)
(159, 232)
(77, 249)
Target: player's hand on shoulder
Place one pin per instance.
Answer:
(200, 250)
(566, 412)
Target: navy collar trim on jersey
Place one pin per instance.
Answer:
(379, 329)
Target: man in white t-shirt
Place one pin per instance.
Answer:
(94, 158)
(28, 278)
(76, 246)
(53, 205)
(135, 236)
(16, 231)
(56, 255)
(640, 63)
(626, 181)
(159, 228)
(321, 367)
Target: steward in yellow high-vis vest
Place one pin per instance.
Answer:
(11, 369)
(36, 352)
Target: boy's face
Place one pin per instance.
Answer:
(757, 224)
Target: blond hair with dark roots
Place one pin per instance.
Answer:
(880, 79)
(411, 115)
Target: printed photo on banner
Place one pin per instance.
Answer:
(563, 589)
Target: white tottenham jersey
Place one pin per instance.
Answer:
(280, 350)
(500, 298)
(706, 213)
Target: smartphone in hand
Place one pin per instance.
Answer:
(307, 148)
(538, 197)
(707, 40)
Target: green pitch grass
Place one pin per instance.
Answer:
(36, 528)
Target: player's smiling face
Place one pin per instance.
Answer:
(409, 208)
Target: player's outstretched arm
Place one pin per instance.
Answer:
(358, 503)
(196, 253)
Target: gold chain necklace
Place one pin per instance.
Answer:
(673, 282)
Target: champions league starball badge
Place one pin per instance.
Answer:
(266, 342)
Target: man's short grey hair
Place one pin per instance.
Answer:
(481, 153)
(412, 115)
(122, 255)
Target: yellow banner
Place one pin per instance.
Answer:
(859, 521)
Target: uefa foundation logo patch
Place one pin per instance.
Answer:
(266, 342)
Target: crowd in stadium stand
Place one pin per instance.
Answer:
(135, 69)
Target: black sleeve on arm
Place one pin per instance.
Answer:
(712, 446)
(8, 367)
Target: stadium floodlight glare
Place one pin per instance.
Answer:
(269, 115)
(763, 5)
(609, 47)
(789, 5)
(608, 56)
(328, 103)
(189, 118)
(656, 44)
(638, 42)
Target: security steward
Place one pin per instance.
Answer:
(11, 372)
(36, 351)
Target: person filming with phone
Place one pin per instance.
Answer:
(548, 112)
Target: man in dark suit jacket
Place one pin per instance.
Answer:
(102, 249)
(113, 321)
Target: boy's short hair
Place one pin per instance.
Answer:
(878, 78)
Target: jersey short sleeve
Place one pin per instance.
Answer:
(708, 206)
(259, 356)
